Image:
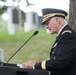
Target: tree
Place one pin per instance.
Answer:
(72, 14)
(2, 8)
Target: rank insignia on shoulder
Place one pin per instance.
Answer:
(66, 31)
(55, 45)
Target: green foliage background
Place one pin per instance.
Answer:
(37, 48)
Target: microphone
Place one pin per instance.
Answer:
(35, 33)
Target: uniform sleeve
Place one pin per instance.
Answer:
(41, 65)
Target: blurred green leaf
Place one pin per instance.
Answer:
(2, 10)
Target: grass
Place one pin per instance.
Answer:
(38, 47)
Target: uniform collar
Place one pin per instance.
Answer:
(61, 29)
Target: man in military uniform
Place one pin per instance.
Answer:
(62, 60)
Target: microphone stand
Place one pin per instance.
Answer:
(22, 46)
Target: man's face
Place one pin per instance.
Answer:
(52, 25)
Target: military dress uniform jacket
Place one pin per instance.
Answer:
(62, 59)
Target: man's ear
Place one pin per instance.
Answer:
(57, 20)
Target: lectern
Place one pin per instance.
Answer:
(12, 69)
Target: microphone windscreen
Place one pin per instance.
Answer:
(36, 32)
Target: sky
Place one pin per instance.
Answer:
(40, 4)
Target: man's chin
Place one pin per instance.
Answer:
(51, 32)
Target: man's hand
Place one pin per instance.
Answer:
(29, 64)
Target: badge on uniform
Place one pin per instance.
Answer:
(55, 45)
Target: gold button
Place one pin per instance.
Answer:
(54, 57)
(52, 52)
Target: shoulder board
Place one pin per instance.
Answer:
(66, 31)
